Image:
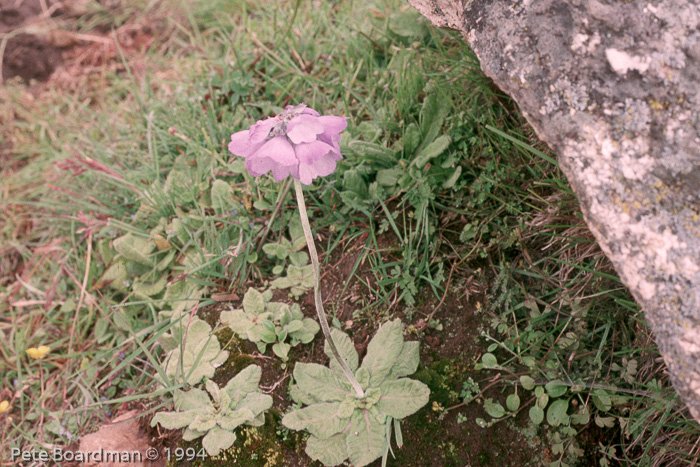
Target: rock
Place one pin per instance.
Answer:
(612, 87)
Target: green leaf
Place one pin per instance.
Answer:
(407, 361)
(294, 326)
(494, 409)
(452, 179)
(556, 388)
(389, 177)
(253, 302)
(527, 382)
(321, 420)
(513, 402)
(556, 413)
(345, 348)
(329, 452)
(218, 440)
(431, 151)
(383, 350)
(366, 439)
(281, 349)
(602, 400)
(320, 382)
(536, 414)
(221, 196)
(203, 423)
(411, 139)
(135, 248)
(402, 397)
(489, 361)
(433, 113)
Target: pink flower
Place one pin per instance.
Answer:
(298, 142)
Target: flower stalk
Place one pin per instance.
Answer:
(317, 290)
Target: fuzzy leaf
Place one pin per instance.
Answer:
(244, 382)
(403, 397)
(431, 151)
(238, 321)
(192, 399)
(135, 248)
(408, 360)
(366, 439)
(253, 302)
(221, 195)
(203, 423)
(435, 109)
(256, 402)
(320, 382)
(383, 350)
(294, 326)
(321, 420)
(232, 420)
(189, 434)
(149, 289)
(174, 420)
(217, 440)
(329, 452)
(346, 349)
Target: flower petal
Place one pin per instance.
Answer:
(280, 172)
(261, 130)
(240, 144)
(310, 111)
(324, 166)
(304, 129)
(308, 153)
(258, 166)
(279, 150)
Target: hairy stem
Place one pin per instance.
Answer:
(317, 290)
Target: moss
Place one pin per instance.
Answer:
(443, 377)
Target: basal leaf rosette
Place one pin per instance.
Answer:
(217, 412)
(193, 351)
(265, 322)
(343, 425)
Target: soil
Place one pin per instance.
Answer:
(435, 436)
(28, 56)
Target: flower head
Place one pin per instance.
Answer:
(5, 407)
(38, 354)
(298, 142)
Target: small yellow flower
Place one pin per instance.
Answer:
(5, 407)
(38, 354)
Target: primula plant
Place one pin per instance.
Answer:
(215, 413)
(265, 322)
(193, 352)
(344, 425)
